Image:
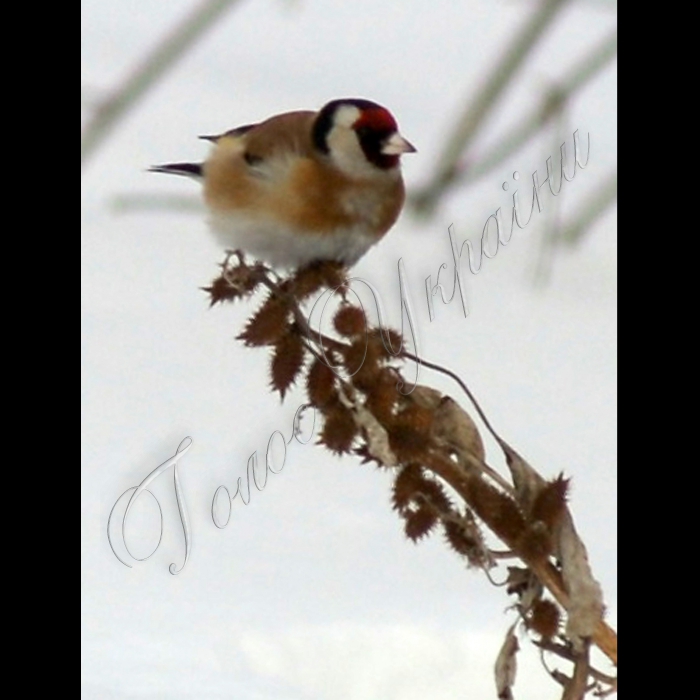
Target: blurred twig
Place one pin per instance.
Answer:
(570, 234)
(132, 203)
(508, 144)
(480, 106)
(592, 208)
(553, 216)
(163, 56)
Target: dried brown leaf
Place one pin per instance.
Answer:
(585, 610)
(454, 426)
(506, 666)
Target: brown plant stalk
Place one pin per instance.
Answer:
(352, 376)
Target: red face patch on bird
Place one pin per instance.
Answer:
(378, 119)
(373, 127)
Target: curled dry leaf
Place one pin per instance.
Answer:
(584, 606)
(525, 585)
(585, 610)
(425, 396)
(375, 434)
(528, 483)
(506, 666)
(452, 425)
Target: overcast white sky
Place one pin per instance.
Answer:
(312, 592)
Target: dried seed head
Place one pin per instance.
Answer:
(287, 360)
(544, 618)
(350, 321)
(268, 324)
(339, 429)
(419, 523)
(320, 384)
(550, 503)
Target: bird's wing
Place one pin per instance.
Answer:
(280, 136)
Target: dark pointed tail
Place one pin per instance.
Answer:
(188, 169)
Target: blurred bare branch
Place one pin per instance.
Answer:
(592, 208)
(557, 96)
(131, 203)
(114, 107)
(570, 234)
(479, 107)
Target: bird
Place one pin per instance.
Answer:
(304, 186)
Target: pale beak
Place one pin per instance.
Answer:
(396, 144)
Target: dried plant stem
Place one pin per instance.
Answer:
(437, 457)
(456, 477)
(565, 652)
(604, 637)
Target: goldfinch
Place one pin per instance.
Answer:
(304, 186)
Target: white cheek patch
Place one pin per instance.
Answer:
(346, 116)
(347, 155)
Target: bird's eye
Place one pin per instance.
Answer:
(363, 131)
(252, 159)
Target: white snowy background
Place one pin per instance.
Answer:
(312, 592)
